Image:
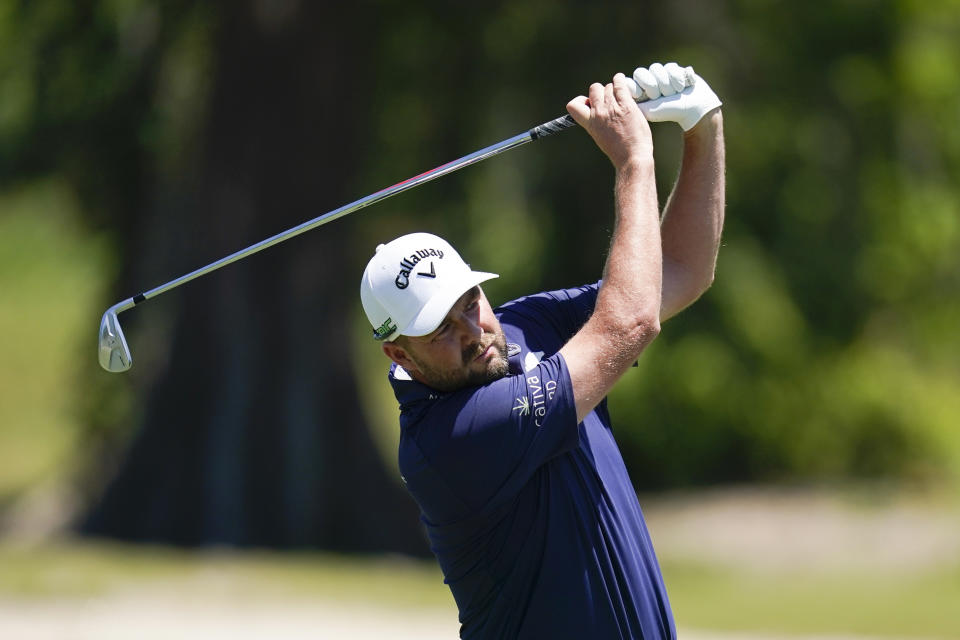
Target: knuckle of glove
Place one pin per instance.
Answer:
(677, 75)
(647, 82)
(663, 79)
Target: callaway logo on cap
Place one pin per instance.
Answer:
(412, 282)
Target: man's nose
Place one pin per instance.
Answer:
(471, 331)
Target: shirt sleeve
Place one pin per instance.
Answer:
(559, 313)
(489, 441)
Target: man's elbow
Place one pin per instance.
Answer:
(630, 331)
(643, 331)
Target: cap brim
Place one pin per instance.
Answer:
(440, 304)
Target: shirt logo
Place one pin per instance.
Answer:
(540, 395)
(523, 406)
(541, 392)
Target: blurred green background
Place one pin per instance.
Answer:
(139, 140)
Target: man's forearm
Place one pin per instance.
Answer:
(693, 218)
(625, 317)
(633, 271)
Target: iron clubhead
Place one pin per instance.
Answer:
(114, 353)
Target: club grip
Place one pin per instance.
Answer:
(547, 128)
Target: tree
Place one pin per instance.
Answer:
(250, 433)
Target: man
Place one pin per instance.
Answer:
(506, 442)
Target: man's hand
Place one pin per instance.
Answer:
(611, 117)
(674, 94)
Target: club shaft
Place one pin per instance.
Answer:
(536, 133)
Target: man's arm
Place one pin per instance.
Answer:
(626, 316)
(693, 218)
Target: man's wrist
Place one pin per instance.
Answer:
(635, 165)
(708, 125)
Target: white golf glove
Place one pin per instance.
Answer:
(672, 93)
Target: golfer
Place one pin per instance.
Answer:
(506, 443)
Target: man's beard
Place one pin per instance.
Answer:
(495, 369)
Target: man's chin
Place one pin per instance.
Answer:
(497, 368)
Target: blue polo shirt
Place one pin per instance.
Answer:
(532, 517)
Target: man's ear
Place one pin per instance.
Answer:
(399, 355)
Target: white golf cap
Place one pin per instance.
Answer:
(411, 283)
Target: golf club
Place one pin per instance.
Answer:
(114, 353)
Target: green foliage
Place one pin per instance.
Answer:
(51, 278)
(88, 86)
(827, 347)
(89, 89)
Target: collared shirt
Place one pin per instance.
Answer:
(532, 517)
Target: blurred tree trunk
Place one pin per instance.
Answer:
(252, 432)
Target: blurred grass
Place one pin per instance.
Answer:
(880, 604)
(883, 604)
(51, 273)
(84, 570)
